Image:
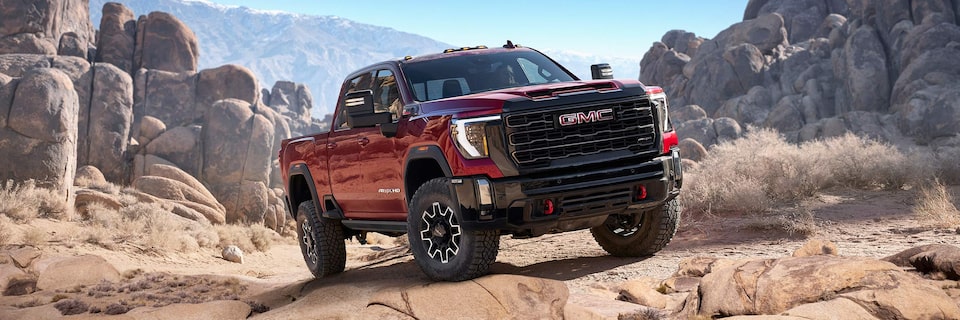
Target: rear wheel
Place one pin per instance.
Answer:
(321, 241)
(639, 234)
(443, 248)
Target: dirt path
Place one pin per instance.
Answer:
(871, 224)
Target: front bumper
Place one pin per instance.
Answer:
(581, 199)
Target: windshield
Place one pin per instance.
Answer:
(472, 73)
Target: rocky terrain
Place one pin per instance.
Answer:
(129, 97)
(135, 185)
(815, 69)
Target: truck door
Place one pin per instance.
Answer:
(343, 148)
(380, 160)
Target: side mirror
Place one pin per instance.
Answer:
(601, 71)
(360, 113)
(358, 102)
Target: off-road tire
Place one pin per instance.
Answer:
(655, 229)
(475, 250)
(321, 241)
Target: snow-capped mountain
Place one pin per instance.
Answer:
(316, 50)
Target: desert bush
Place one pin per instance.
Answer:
(762, 171)
(868, 164)
(163, 231)
(935, 204)
(6, 231)
(248, 238)
(34, 236)
(25, 201)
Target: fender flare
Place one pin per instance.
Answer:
(301, 169)
(430, 152)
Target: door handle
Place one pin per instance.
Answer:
(363, 141)
(331, 145)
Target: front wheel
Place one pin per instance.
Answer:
(639, 234)
(321, 241)
(443, 248)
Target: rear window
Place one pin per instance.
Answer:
(471, 73)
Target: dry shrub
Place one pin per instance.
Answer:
(161, 230)
(868, 164)
(935, 204)
(248, 238)
(6, 231)
(793, 221)
(34, 236)
(25, 201)
(762, 171)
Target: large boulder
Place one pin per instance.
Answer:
(40, 140)
(44, 21)
(118, 31)
(72, 272)
(28, 43)
(866, 78)
(237, 152)
(110, 117)
(165, 43)
(170, 189)
(939, 259)
(168, 96)
(923, 92)
(15, 65)
(801, 17)
(8, 86)
(226, 82)
(772, 286)
(181, 146)
(490, 297)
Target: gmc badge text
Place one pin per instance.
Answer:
(458, 148)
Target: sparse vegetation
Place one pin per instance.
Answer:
(763, 171)
(935, 204)
(71, 307)
(6, 234)
(34, 236)
(248, 238)
(26, 201)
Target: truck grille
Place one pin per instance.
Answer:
(535, 138)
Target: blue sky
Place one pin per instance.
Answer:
(599, 27)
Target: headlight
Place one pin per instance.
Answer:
(470, 136)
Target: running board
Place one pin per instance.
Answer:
(378, 226)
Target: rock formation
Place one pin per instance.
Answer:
(815, 283)
(134, 104)
(816, 69)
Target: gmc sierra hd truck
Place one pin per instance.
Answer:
(458, 148)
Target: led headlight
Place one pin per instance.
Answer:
(661, 102)
(470, 136)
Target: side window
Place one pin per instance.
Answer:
(386, 94)
(361, 82)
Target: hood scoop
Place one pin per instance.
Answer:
(568, 90)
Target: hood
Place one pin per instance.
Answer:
(492, 102)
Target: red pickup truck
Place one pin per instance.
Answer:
(458, 148)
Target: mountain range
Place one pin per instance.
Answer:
(318, 51)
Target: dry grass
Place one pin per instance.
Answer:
(935, 204)
(6, 231)
(25, 201)
(34, 236)
(762, 171)
(248, 238)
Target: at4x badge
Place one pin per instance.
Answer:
(586, 117)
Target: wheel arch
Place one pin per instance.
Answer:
(423, 164)
(300, 188)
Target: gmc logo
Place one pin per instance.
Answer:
(586, 117)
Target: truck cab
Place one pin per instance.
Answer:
(458, 148)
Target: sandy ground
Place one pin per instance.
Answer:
(870, 224)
